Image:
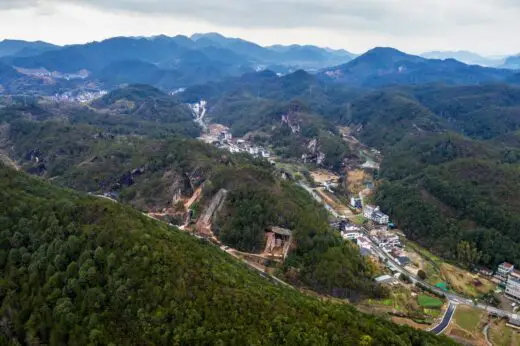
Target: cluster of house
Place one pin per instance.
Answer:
(391, 244)
(509, 277)
(224, 140)
(81, 97)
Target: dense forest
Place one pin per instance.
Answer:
(80, 270)
(445, 189)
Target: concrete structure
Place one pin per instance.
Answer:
(513, 285)
(278, 242)
(385, 279)
(351, 235)
(204, 223)
(375, 214)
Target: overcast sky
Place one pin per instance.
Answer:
(485, 26)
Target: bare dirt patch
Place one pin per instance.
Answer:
(321, 176)
(465, 282)
(355, 180)
(407, 322)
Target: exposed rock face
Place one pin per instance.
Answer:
(291, 120)
(314, 154)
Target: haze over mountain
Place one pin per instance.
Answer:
(465, 57)
(23, 48)
(513, 62)
(385, 66)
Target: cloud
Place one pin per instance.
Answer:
(440, 24)
(16, 4)
(401, 17)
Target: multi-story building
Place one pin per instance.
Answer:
(503, 271)
(513, 285)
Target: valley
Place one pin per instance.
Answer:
(335, 199)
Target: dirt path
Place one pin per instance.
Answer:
(193, 198)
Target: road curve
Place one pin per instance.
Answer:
(446, 319)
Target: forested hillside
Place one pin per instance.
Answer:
(80, 270)
(147, 172)
(447, 188)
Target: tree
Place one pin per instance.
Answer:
(421, 274)
(405, 278)
(468, 254)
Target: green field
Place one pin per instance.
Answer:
(468, 318)
(429, 302)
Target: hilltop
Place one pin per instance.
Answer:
(388, 66)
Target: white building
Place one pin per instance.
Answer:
(513, 285)
(503, 271)
(375, 214)
(356, 202)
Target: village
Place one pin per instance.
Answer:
(425, 292)
(220, 136)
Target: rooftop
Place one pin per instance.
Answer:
(507, 265)
(281, 231)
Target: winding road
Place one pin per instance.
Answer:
(446, 319)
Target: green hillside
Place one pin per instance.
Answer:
(148, 172)
(79, 270)
(446, 189)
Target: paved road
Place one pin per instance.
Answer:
(455, 298)
(446, 319)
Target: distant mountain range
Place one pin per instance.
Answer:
(465, 57)
(388, 66)
(23, 48)
(513, 62)
(180, 61)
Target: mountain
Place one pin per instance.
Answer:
(296, 56)
(512, 62)
(95, 56)
(88, 270)
(236, 45)
(303, 54)
(150, 108)
(451, 158)
(167, 62)
(8, 74)
(130, 72)
(387, 66)
(515, 79)
(24, 48)
(466, 57)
